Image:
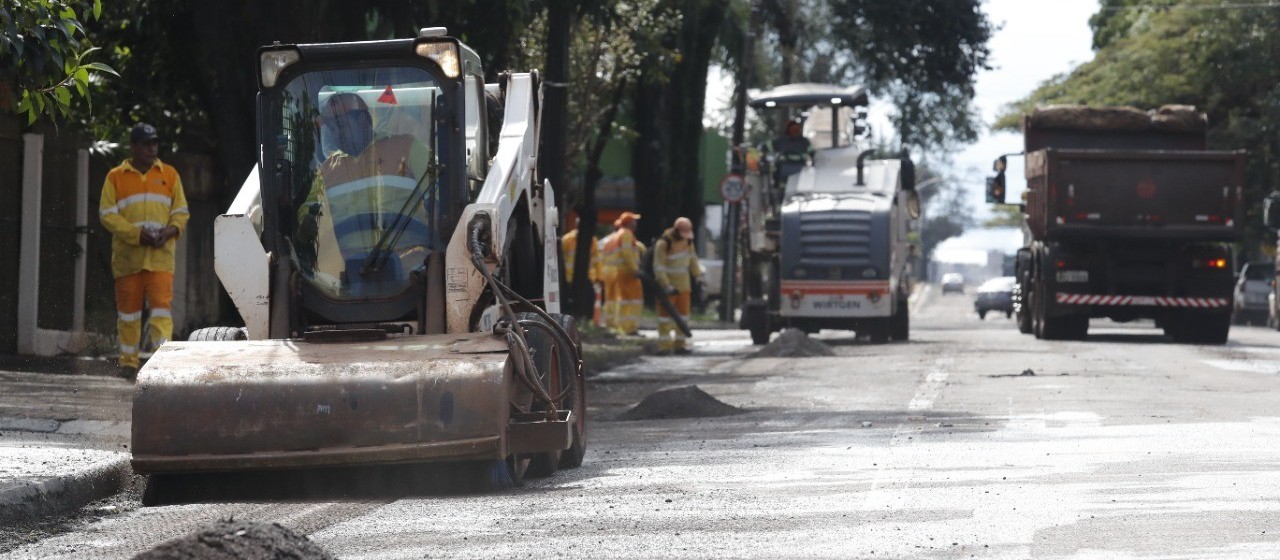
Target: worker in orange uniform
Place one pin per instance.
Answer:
(675, 266)
(569, 248)
(620, 260)
(145, 210)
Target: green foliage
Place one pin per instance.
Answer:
(617, 44)
(924, 55)
(1219, 57)
(46, 57)
(1004, 215)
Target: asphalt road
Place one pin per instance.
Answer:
(1121, 446)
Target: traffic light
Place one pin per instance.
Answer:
(995, 185)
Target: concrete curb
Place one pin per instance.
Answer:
(65, 492)
(597, 358)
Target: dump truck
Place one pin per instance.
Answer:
(1127, 216)
(826, 242)
(392, 256)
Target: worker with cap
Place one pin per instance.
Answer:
(790, 152)
(620, 260)
(145, 210)
(675, 266)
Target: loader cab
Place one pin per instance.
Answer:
(369, 151)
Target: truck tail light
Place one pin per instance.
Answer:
(1217, 264)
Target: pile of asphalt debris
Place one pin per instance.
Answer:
(681, 402)
(238, 540)
(794, 343)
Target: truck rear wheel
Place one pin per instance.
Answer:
(1200, 328)
(1065, 328)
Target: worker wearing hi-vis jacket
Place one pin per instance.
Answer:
(569, 248)
(620, 262)
(145, 210)
(676, 267)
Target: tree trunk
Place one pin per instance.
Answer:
(583, 298)
(555, 97)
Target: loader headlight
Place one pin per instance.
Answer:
(444, 54)
(271, 63)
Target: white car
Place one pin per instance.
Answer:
(952, 282)
(1249, 303)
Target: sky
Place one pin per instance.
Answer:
(1035, 40)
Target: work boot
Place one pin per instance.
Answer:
(682, 351)
(129, 372)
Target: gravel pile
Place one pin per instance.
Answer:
(682, 402)
(794, 343)
(236, 540)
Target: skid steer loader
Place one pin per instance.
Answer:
(392, 257)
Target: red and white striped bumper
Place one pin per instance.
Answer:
(1148, 301)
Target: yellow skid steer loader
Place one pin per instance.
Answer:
(393, 258)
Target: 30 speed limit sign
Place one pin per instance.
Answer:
(733, 188)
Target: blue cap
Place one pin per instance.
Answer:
(142, 132)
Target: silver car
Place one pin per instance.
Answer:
(1252, 288)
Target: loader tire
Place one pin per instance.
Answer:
(553, 372)
(218, 334)
(576, 400)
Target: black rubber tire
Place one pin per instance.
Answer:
(218, 334)
(1024, 313)
(756, 318)
(1008, 314)
(902, 322)
(576, 400)
(982, 315)
(1198, 328)
(551, 370)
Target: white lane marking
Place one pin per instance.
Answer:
(1244, 365)
(926, 394)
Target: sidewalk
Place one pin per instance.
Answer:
(63, 438)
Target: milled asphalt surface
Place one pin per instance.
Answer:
(1121, 446)
(63, 442)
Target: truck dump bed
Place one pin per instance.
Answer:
(1188, 195)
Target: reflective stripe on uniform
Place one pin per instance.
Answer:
(127, 317)
(160, 312)
(144, 197)
(179, 210)
(126, 349)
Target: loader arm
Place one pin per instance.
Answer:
(512, 179)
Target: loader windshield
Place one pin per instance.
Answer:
(364, 157)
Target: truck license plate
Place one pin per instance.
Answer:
(1073, 276)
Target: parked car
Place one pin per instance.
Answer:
(1250, 298)
(707, 289)
(952, 282)
(995, 295)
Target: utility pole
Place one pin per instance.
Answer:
(732, 213)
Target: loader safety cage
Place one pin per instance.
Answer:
(366, 171)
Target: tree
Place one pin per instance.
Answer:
(1218, 57)
(46, 56)
(923, 54)
(668, 119)
(946, 214)
(1004, 215)
(615, 46)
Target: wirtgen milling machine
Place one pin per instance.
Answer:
(393, 258)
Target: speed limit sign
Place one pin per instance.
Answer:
(733, 188)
